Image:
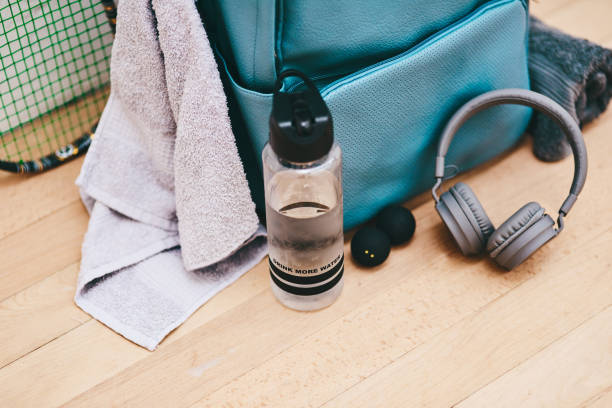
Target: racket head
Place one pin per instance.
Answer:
(55, 60)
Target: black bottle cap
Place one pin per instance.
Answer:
(301, 128)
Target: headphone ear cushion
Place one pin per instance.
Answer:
(521, 235)
(461, 223)
(513, 226)
(476, 213)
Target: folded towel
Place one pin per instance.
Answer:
(172, 220)
(574, 72)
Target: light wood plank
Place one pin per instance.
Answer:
(467, 356)
(588, 19)
(338, 348)
(45, 310)
(544, 8)
(219, 343)
(50, 191)
(211, 334)
(603, 400)
(217, 339)
(432, 244)
(53, 369)
(607, 42)
(564, 374)
(39, 314)
(91, 353)
(27, 199)
(332, 360)
(187, 355)
(41, 249)
(210, 341)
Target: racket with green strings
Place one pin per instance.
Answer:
(54, 79)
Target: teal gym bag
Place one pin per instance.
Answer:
(392, 72)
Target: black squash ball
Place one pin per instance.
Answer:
(370, 246)
(397, 222)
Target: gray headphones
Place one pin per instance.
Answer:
(530, 227)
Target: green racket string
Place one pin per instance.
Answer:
(54, 66)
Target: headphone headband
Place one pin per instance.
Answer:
(526, 98)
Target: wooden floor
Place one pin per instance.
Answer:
(430, 328)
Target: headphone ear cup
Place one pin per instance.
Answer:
(521, 235)
(474, 211)
(465, 218)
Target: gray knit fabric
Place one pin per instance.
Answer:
(574, 72)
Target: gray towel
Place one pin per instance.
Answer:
(172, 220)
(574, 72)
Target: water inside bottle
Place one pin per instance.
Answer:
(305, 237)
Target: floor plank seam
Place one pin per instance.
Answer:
(252, 368)
(459, 322)
(478, 310)
(81, 394)
(260, 364)
(594, 398)
(340, 318)
(58, 335)
(299, 340)
(42, 345)
(556, 340)
(39, 281)
(37, 220)
(409, 369)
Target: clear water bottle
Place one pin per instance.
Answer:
(303, 191)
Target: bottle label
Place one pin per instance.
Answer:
(307, 281)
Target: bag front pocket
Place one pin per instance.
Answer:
(388, 117)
